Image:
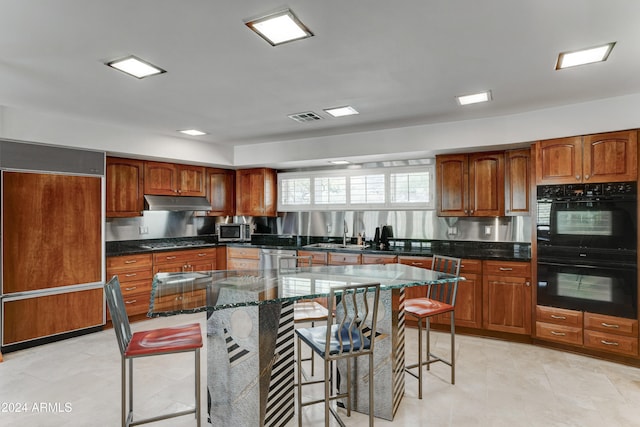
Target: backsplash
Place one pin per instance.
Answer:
(420, 225)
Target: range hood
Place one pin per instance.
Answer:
(172, 203)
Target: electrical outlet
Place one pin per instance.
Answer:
(452, 230)
(487, 230)
(144, 229)
(328, 228)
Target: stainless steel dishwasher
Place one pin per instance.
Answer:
(269, 258)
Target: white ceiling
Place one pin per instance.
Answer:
(400, 63)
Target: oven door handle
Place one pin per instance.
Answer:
(594, 265)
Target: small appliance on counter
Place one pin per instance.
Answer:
(233, 232)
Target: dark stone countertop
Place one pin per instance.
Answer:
(505, 251)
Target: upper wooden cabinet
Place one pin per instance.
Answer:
(256, 192)
(169, 179)
(517, 182)
(221, 191)
(607, 157)
(124, 182)
(470, 184)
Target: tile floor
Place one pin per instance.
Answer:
(497, 384)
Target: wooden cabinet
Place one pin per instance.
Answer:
(470, 184)
(608, 157)
(506, 296)
(611, 334)
(169, 179)
(343, 258)
(517, 182)
(379, 259)
(559, 325)
(185, 260)
(317, 257)
(135, 274)
(420, 262)
(221, 191)
(256, 192)
(124, 187)
(242, 258)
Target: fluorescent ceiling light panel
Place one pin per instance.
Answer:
(340, 162)
(584, 56)
(341, 111)
(135, 67)
(280, 27)
(474, 98)
(193, 132)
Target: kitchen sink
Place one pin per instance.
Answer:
(335, 246)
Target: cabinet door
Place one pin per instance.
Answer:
(191, 181)
(559, 161)
(610, 157)
(250, 192)
(452, 180)
(517, 182)
(160, 179)
(486, 184)
(221, 191)
(507, 304)
(468, 309)
(124, 182)
(420, 262)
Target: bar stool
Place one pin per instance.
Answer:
(178, 339)
(304, 311)
(347, 339)
(440, 298)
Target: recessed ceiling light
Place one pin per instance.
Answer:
(135, 67)
(340, 162)
(280, 27)
(474, 98)
(584, 56)
(347, 110)
(192, 132)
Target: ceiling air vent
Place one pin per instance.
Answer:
(309, 116)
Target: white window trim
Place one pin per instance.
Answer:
(348, 173)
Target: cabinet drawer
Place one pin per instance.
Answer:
(317, 257)
(128, 261)
(416, 261)
(344, 259)
(242, 264)
(184, 256)
(518, 269)
(611, 324)
(379, 259)
(559, 316)
(559, 333)
(180, 301)
(471, 266)
(611, 342)
(131, 275)
(235, 252)
(138, 287)
(135, 303)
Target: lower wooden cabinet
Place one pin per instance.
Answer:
(135, 274)
(506, 296)
(185, 260)
(343, 258)
(240, 258)
(317, 257)
(611, 334)
(379, 259)
(559, 325)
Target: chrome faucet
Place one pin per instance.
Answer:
(344, 233)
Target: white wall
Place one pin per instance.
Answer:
(392, 144)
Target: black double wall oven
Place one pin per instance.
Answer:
(587, 243)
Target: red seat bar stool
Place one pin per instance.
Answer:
(440, 299)
(178, 339)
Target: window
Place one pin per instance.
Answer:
(408, 187)
(367, 189)
(330, 190)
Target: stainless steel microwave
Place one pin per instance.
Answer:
(234, 232)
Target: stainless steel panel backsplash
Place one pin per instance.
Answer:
(425, 225)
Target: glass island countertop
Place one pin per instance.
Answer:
(190, 292)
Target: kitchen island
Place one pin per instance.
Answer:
(250, 339)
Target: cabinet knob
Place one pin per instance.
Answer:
(577, 177)
(586, 177)
(527, 283)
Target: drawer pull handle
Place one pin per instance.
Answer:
(506, 269)
(171, 257)
(555, 316)
(133, 301)
(202, 254)
(559, 334)
(131, 288)
(610, 325)
(416, 263)
(131, 275)
(131, 261)
(605, 342)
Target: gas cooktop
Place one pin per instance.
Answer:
(175, 244)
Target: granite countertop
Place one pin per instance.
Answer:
(505, 251)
